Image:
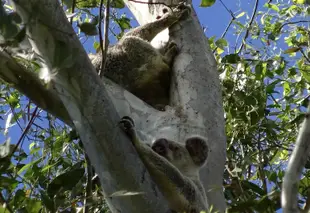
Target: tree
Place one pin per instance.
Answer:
(77, 96)
(262, 56)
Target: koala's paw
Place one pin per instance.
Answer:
(127, 125)
(172, 45)
(198, 150)
(171, 51)
(182, 11)
(160, 146)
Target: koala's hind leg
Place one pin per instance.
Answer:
(150, 30)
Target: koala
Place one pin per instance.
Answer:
(137, 66)
(174, 167)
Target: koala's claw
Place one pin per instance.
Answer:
(127, 125)
(172, 45)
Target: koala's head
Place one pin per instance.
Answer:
(188, 158)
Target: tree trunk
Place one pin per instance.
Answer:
(196, 93)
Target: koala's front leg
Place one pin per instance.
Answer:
(150, 30)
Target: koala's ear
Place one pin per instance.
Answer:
(198, 150)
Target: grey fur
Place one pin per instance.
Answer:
(173, 168)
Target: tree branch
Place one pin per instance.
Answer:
(29, 84)
(104, 47)
(90, 108)
(297, 161)
(249, 26)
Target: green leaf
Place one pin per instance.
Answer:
(292, 50)
(305, 75)
(8, 182)
(206, 3)
(286, 88)
(119, 4)
(299, 1)
(47, 201)
(33, 206)
(27, 166)
(221, 43)
(96, 46)
(4, 164)
(272, 6)
(88, 28)
(231, 58)
(3, 210)
(65, 181)
(123, 22)
(249, 185)
(68, 3)
(240, 15)
(19, 197)
(259, 71)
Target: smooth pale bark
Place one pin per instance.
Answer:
(95, 107)
(196, 93)
(90, 109)
(296, 164)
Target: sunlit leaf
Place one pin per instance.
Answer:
(206, 3)
(272, 6)
(240, 15)
(292, 50)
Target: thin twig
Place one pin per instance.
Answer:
(249, 26)
(228, 26)
(228, 10)
(225, 31)
(106, 40)
(88, 193)
(34, 114)
(293, 22)
(297, 161)
(100, 35)
(305, 56)
(72, 11)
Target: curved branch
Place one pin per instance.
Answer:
(297, 161)
(29, 84)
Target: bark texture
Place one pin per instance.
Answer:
(196, 93)
(90, 109)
